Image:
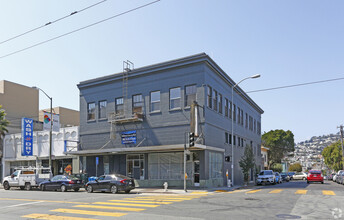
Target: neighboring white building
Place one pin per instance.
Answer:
(66, 140)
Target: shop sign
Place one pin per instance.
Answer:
(128, 137)
(27, 136)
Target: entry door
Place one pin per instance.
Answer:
(196, 173)
(136, 169)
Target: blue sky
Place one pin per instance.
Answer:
(287, 42)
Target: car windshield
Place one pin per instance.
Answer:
(266, 172)
(72, 177)
(315, 172)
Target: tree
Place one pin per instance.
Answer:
(280, 143)
(332, 155)
(277, 167)
(247, 162)
(295, 167)
(3, 125)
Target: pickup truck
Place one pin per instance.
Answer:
(26, 178)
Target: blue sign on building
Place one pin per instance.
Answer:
(27, 136)
(128, 137)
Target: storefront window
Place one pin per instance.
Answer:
(215, 165)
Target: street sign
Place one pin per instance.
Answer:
(47, 122)
(128, 137)
(27, 137)
(97, 161)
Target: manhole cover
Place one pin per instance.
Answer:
(286, 216)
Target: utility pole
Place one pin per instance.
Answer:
(341, 141)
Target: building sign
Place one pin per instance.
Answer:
(47, 122)
(128, 137)
(27, 136)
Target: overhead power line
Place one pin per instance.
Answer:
(51, 22)
(79, 29)
(295, 85)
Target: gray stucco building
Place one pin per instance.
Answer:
(136, 122)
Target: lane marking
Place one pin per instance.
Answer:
(84, 212)
(254, 191)
(328, 193)
(125, 204)
(110, 207)
(29, 203)
(155, 200)
(301, 192)
(276, 191)
(144, 202)
(33, 200)
(54, 217)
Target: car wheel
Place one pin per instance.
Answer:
(6, 186)
(114, 189)
(42, 187)
(28, 186)
(89, 189)
(127, 191)
(304, 178)
(63, 188)
(76, 189)
(307, 182)
(322, 182)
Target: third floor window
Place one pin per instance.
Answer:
(175, 98)
(137, 104)
(155, 101)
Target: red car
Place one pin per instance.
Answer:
(315, 176)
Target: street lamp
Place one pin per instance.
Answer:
(51, 123)
(232, 137)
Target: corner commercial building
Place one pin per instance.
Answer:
(136, 122)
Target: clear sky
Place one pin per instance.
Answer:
(287, 42)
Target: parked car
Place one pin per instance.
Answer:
(278, 177)
(266, 176)
(300, 176)
(63, 183)
(285, 177)
(315, 176)
(334, 177)
(330, 177)
(340, 175)
(112, 183)
(291, 174)
(27, 177)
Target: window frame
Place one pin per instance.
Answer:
(210, 97)
(226, 108)
(186, 95)
(88, 111)
(215, 97)
(100, 109)
(180, 98)
(133, 104)
(151, 102)
(117, 105)
(220, 103)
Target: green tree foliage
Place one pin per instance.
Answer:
(280, 143)
(247, 162)
(332, 155)
(3, 123)
(277, 167)
(295, 167)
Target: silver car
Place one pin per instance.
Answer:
(300, 176)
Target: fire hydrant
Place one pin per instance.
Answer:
(165, 186)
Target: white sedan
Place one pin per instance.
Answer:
(300, 176)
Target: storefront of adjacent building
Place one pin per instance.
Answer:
(137, 122)
(64, 141)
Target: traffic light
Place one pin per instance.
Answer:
(191, 139)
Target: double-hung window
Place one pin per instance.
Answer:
(119, 108)
(226, 107)
(234, 112)
(175, 98)
(155, 101)
(210, 98)
(91, 111)
(137, 103)
(190, 95)
(220, 103)
(102, 109)
(215, 99)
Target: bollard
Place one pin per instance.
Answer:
(165, 186)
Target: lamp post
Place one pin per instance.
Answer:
(232, 137)
(51, 123)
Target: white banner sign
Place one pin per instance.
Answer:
(47, 122)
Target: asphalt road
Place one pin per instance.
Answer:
(293, 200)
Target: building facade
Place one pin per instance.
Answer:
(137, 122)
(64, 141)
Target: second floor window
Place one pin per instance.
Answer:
(175, 98)
(102, 109)
(226, 107)
(190, 95)
(210, 98)
(155, 101)
(91, 111)
(119, 106)
(215, 99)
(137, 104)
(220, 103)
(246, 120)
(234, 112)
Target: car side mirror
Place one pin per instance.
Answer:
(12, 176)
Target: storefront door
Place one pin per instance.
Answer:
(135, 166)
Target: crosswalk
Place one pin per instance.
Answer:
(113, 207)
(277, 191)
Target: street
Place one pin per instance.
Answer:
(292, 200)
